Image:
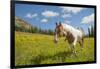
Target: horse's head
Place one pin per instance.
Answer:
(58, 32)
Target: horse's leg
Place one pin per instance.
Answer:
(73, 46)
(81, 42)
(73, 49)
(65, 38)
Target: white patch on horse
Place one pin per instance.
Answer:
(72, 34)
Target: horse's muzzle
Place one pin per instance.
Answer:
(55, 41)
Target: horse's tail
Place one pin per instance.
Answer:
(81, 29)
(83, 35)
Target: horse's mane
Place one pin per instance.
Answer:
(81, 29)
(69, 27)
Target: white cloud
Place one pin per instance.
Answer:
(66, 21)
(34, 15)
(73, 10)
(88, 19)
(66, 15)
(48, 13)
(44, 20)
(29, 15)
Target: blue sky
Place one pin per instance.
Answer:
(45, 17)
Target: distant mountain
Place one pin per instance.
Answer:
(21, 23)
(23, 26)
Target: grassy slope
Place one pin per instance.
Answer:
(40, 49)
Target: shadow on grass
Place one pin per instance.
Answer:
(59, 57)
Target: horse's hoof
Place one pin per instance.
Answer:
(74, 52)
(82, 48)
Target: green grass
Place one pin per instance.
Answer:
(31, 49)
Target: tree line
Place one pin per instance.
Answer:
(34, 29)
(91, 31)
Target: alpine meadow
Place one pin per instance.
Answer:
(36, 29)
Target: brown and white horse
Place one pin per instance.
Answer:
(70, 33)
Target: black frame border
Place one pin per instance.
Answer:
(12, 33)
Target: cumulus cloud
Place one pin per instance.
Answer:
(73, 10)
(29, 15)
(66, 15)
(44, 20)
(88, 19)
(48, 13)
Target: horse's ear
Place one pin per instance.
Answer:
(56, 23)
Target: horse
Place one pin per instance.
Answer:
(73, 35)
